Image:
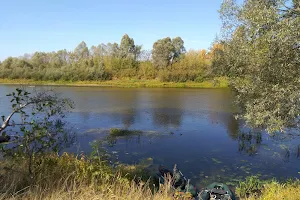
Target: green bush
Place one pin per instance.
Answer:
(251, 186)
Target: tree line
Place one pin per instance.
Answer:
(167, 61)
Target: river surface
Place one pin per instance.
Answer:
(192, 128)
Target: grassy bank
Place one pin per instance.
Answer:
(220, 82)
(72, 177)
(80, 177)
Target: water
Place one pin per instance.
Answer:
(193, 128)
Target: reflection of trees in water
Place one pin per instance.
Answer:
(129, 118)
(120, 105)
(167, 116)
(113, 140)
(167, 108)
(233, 127)
(128, 114)
(288, 143)
(85, 116)
(249, 142)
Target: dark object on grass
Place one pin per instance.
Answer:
(216, 191)
(4, 139)
(180, 183)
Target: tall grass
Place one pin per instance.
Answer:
(255, 189)
(71, 177)
(80, 177)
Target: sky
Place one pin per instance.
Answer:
(27, 26)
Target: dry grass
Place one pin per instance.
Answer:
(77, 191)
(68, 177)
(279, 191)
(254, 189)
(81, 178)
(221, 82)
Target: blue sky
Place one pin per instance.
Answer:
(27, 26)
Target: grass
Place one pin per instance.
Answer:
(81, 177)
(255, 189)
(71, 177)
(220, 82)
(116, 132)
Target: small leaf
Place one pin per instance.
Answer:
(2, 117)
(19, 91)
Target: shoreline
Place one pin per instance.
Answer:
(208, 84)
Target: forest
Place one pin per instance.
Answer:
(167, 61)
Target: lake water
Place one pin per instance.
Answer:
(192, 128)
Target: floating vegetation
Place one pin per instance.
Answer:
(266, 147)
(146, 162)
(116, 132)
(216, 161)
(283, 146)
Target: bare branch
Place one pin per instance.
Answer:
(6, 122)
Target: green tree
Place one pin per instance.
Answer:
(166, 51)
(179, 48)
(35, 124)
(128, 49)
(81, 51)
(261, 52)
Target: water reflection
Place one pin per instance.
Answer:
(249, 142)
(167, 109)
(207, 142)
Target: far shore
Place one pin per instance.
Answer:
(124, 83)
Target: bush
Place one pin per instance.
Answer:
(122, 132)
(177, 76)
(251, 186)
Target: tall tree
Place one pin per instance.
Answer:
(165, 51)
(128, 49)
(179, 48)
(262, 54)
(81, 51)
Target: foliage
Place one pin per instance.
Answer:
(35, 124)
(166, 51)
(122, 132)
(251, 186)
(260, 52)
(110, 62)
(278, 191)
(162, 53)
(128, 49)
(74, 177)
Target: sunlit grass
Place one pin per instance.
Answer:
(254, 189)
(220, 82)
(71, 177)
(81, 177)
(123, 132)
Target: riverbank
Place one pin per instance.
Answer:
(82, 177)
(221, 82)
